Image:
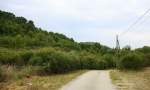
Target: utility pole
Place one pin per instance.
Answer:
(117, 44)
(117, 50)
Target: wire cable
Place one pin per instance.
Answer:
(132, 25)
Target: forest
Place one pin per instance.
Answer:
(22, 44)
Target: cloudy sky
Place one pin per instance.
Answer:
(88, 20)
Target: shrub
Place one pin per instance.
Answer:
(36, 60)
(25, 56)
(101, 64)
(147, 59)
(110, 60)
(46, 55)
(88, 62)
(130, 61)
(93, 62)
(8, 57)
(54, 61)
(60, 63)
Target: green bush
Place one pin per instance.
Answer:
(101, 64)
(60, 63)
(26, 56)
(110, 60)
(93, 62)
(54, 61)
(130, 61)
(88, 62)
(36, 60)
(147, 59)
(8, 57)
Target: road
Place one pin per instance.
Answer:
(92, 80)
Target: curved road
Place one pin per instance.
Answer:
(92, 80)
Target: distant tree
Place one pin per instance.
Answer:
(127, 48)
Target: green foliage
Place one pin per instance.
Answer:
(88, 62)
(102, 64)
(92, 61)
(147, 59)
(17, 32)
(8, 57)
(36, 60)
(126, 48)
(146, 54)
(110, 60)
(130, 61)
(22, 43)
(26, 56)
(94, 47)
(53, 60)
(145, 49)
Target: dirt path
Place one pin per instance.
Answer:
(92, 80)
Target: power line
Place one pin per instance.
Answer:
(129, 28)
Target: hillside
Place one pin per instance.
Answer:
(18, 32)
(23, 44)
(19, 35)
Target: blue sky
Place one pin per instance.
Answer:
(87, 20)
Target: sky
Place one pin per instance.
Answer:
(88, 20)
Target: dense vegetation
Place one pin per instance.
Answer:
(23, 44)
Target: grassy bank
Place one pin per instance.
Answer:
(51, 82)
(131, 80)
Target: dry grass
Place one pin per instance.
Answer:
(131, 80)
(52, 82)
